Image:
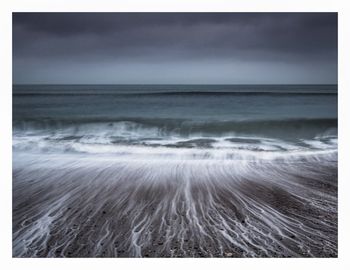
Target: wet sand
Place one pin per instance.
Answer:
(107, 208)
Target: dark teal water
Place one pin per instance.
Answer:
(202, 102)
(175, 171)
(156, 114)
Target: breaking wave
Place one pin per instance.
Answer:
(131, 187)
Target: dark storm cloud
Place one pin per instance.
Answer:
(177, 47)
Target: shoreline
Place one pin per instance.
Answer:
(133, 209)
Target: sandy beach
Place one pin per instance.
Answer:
(83, 207)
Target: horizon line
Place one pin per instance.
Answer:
(174, 84)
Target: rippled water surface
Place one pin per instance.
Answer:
(175, 171)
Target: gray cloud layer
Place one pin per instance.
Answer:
(175, 47)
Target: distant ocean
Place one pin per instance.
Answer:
(244, 170)
(82, 118)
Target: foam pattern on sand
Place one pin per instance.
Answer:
(123, 206)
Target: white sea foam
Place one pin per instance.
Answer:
(167, 171)
(136, 205)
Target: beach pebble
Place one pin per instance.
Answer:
(228, 254)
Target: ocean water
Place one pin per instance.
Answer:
(85, 118)
(175, 170)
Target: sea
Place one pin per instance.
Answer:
(109, 119)
(175, 171)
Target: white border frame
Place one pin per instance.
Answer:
(6, 9)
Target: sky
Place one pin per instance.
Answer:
(175, 48)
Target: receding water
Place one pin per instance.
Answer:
(159, 171)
